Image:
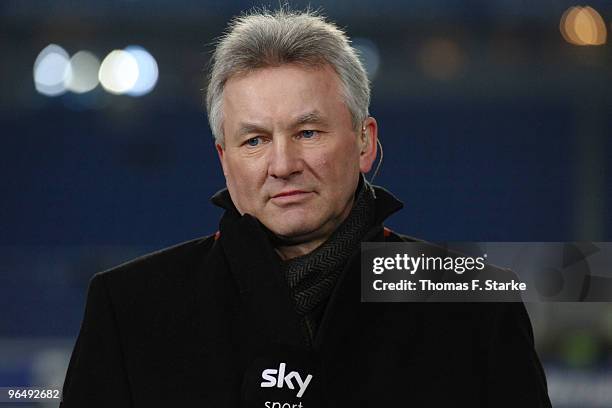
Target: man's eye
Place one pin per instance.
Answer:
(307, 134)
(254, 141)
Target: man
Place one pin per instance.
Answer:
(267, 311)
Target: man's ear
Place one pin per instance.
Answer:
(220, 153)
(367, 140)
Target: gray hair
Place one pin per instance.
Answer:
(262, 38)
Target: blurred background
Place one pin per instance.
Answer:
(495, 117)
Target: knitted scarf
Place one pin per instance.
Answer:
(312, 277)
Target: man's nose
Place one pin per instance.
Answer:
(285, 158)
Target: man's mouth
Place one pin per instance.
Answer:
(289, 193)
(291, 197)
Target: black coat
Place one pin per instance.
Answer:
(196, 325)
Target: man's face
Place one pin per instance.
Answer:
(292, 157)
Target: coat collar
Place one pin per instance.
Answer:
(255, 265)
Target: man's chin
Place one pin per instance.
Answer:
(293, 234)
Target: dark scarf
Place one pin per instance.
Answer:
(312, 277)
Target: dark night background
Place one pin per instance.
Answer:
(494, 128)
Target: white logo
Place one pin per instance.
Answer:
(271, 381)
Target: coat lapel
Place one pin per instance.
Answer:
(255, 268)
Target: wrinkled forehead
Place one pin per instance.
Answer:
(279, 94)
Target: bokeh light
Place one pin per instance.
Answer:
(580, 349)
(583, 26)
(51, 70)
(118, 72)
(441, 59)
(84, 72)
(147, 71)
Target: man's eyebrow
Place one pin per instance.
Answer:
(248, 128)
(313, 117)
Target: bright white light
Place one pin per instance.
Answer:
(51, 70)
(118, 72)
(84, 76)
(147, 68)
(369, 55)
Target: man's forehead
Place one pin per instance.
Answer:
(291, 94)
(282, 79)
(242, 120)
(308, 118)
